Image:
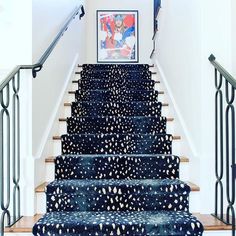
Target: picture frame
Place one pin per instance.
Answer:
(117, 36)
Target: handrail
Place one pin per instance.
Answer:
(39, 65)
(220, 68)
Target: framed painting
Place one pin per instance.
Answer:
(117, 36)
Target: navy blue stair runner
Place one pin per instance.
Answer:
(117, 174)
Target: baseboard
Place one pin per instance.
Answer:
(177, 110)
(51, 121)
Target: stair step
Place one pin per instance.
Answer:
(58, 137)
(41, 187)
(117, 167)
(116, 109)
(162, 223)
(51, 159)
(115, 75)
(26, 223)
(114, 124)
(116, 144)
(114, 85)
(117, 95)
(117, 195)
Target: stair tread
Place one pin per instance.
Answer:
(26, 223)
(41, 187)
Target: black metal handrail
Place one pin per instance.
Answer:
(10, 132)
(225, 166)
(155, 30)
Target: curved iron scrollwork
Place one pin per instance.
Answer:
(225, 165)
(10, 127)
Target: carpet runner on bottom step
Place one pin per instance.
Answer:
(114, 124)
(117, 195)
(117, 167)
(161, 223)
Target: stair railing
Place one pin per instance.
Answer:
(225, 167)
(10, 160)
(157, 7)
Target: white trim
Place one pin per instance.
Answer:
(177, 110)
(217, 233)
(56, 108)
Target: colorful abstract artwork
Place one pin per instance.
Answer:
(117, 36)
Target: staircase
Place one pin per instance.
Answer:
(117, 174)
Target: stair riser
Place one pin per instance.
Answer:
(109, 96)
(96, 125)
(176, 148)
(194, 205)
(117, 167)
(94, 201)
(50, 172)
(116, 109)
(116, 144)
(116, 85)
(108, 75)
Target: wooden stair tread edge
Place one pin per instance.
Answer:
(41, 187)
(25, 224)
(211, 223)
(194, 187)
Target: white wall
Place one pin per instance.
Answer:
(48, 18)
(189, 32)
(16, 34)
(233, 11)
(145, 9)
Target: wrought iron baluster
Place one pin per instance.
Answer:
(16, 146)
(5, 157)
(219, 146)
(230, 138)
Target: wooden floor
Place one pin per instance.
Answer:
(26, 223)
